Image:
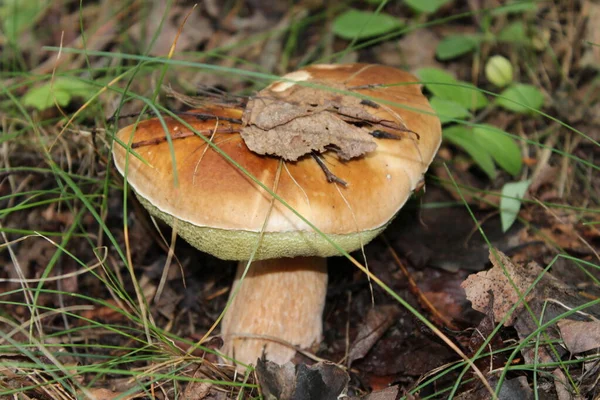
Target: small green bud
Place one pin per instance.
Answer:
(499, 71)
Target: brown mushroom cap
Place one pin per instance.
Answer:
(220, 210)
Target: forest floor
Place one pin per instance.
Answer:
(500, 252)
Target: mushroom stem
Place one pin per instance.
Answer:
(279, 298)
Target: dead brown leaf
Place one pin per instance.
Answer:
(505, 294)
(390, 393)
(561, 384)
(548, 299)
(197, 390)
(322, 381)
(480, 335)
(107, 394)
(580, 336)
(302, 135)
(378, 321)
(517, 388)
(301, 119)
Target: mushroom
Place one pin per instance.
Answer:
(219, 209)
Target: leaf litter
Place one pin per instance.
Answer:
(525, 296)
(322, 381)
(578, 332)
(301, 119)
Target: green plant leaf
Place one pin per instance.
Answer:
(18, 15)
(516, 7)
(519, 97)
(445, 86)
(363, 24)
(514, 33)
(510, 203)
(62, 90)
(502, 148)
(425, 6)
(448, 110)
(462, 137)
(456, 45)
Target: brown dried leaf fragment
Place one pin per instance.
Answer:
(548, 300)
(580, 336)
(303, 135)
(297, 382)
(478, 286)
(290, 121)
(378, 321)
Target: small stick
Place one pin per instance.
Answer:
(179, 135)
(200, 116)
(331, 177)
(208, 117)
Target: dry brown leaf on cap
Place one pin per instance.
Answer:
(291, 120)
(580, 336)
(350, 141)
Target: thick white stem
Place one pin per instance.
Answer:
(279, 298)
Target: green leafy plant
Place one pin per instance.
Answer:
(18, 15)
(449, 110)
(426, 6)
(454, 46)
(521, 98)
(514, 33)
(60, 90)
(510, 202)
(445, 86)
(455, 100)
(487, 146)
(364, 24)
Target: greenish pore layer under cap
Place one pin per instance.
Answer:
(239, 245)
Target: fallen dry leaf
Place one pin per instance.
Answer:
(480, 335)
(561, 384)
(301, 135)
(291, 121)
(511, 389)
(580, 336)
(479, 286)
(390, 393)
(322, 381)
(548, 300)
(496, 280)
(378, 321)
(197, 390)
(107, 394)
